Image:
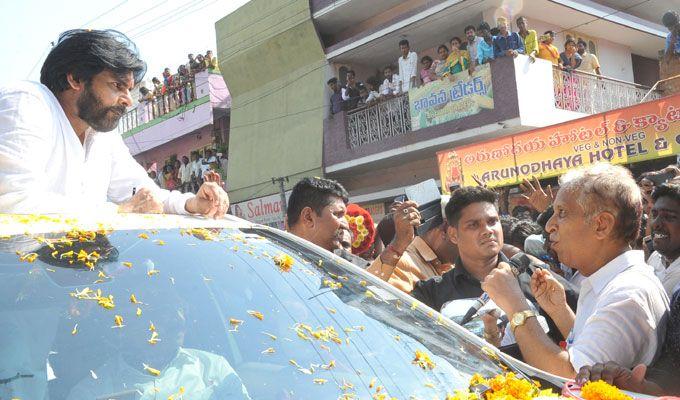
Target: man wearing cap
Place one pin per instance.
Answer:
(409, 258)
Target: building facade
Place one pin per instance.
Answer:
(277, 56)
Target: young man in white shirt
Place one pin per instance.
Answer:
(390, 86)
(665, 219)
(408, 66)
(621, 303)
(589, 62)
(59, 152)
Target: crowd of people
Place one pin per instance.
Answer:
(481, 45)
(187, 173)
(176, 89)
(584, 282)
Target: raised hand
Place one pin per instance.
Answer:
(537, 197)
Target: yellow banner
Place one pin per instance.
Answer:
(632, 134)
(454, 97)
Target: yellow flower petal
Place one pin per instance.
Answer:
(118, 320)
(256, 314)
(127, 264)
(152, 371)
(143, 236)
(139, 312)
(75, 329)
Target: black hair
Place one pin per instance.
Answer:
(519, 209)
(545, 216)
(425, 58)
(84, 53)
(467, 28)
(442, 46)
(521, 18)
(670, 19)
(315, 193)
(456, 38)
(570, 40)
(386, 229)
(332, 80)
(551, 33)
(373, 81)
(465, 196)
(581, 41)
(388, 67)
(521, 230)
(495, 31)
(507, 221)
(351, 71)
(671, 190)
(484, 26)
(403, 42)
(143, 90)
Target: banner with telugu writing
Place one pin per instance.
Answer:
(455, 97)
(638, 133)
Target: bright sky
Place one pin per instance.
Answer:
(164, 31)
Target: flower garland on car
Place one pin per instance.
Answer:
(361, 225)
(511, 387)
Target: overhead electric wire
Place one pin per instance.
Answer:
(103, 14)
(176, 18)
(156, 20)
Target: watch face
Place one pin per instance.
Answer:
(518, 319)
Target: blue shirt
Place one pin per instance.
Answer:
(501, 44)
(484, 51)
(676, 50)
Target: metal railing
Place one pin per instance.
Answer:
(158, 105)
(592, 94)
(387, 118)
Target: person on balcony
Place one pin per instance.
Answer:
(529, 37)
(507, 43)
(569, 58)
(589, 62)
(440, 66)
(200, 63)
(547, 50)
(458, 60)
(373, 90)
(427, 73)
(336, 96)
(390, 86)
(210, 61)
(60, 152)
(408, 66)
(485, 48)
(471, 44)
(671, 21)
(350, 93)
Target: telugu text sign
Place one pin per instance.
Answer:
(454, 97)
(643, 132)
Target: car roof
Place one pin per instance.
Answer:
(14, 224)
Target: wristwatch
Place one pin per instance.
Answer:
(520, 318)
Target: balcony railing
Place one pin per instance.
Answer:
(148, 110)
(592, 94)
(385, 119)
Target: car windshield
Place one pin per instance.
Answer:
(213, 314)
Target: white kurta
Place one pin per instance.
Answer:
(45, 169)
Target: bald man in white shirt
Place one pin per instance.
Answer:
(59, 152)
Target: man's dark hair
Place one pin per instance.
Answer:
(570, 40)
(551, 33)
(85, 53)
(545, 216)
(671, 190)
(507, 222)
(373, 81)
(386, 229)
(465, 196)
(351, 71)
(495, 31)
(519, 209)
(456, 38)
(583, 42)
(315, 193)
(388, 67)
(484, 26)
(521, 18)
(332, 80)
(670, 19)
(521, 230)
(467, 28)
(425, 58)
(442, 46)
(403, 42)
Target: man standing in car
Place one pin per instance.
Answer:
(59, 152)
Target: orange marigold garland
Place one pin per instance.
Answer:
(361, 225)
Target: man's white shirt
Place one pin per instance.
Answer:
(45, 169)
(668, 273)
(408, 68)
(619, 310)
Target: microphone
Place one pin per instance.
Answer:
(519, 263)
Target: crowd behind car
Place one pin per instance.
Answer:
(583, 280)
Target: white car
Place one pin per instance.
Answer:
(171, 307)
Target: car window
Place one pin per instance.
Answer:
(213, 314)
